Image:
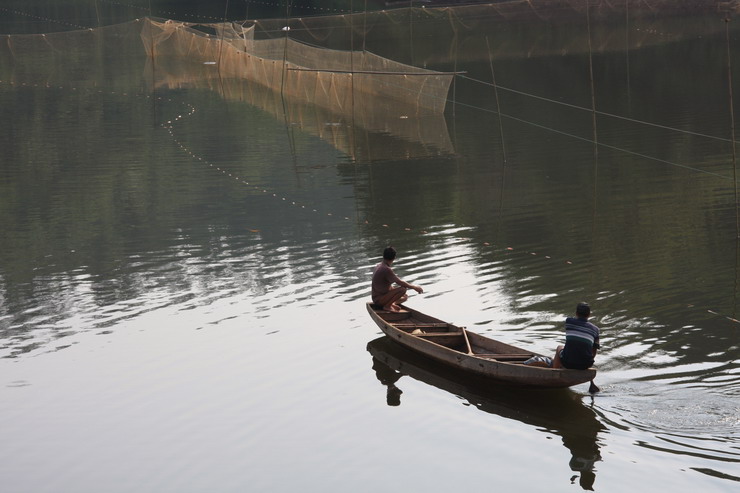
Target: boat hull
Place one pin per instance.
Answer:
(470, 352)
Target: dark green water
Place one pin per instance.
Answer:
(183, 269)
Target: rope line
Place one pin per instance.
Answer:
(601, 113)
(320, 10)
(588, 140)
(45, 19)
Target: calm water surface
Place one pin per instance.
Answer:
(183, 267)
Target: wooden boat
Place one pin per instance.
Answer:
(457, 347)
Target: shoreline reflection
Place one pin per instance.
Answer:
(560, 411)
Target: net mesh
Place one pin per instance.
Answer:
(210, 57)
(333, 79)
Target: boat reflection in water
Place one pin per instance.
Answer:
(560, 411)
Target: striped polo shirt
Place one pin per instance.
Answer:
(581, 330)
(580, 338)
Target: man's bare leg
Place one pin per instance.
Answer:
(395, 295)
(556, 363)
(399, 298)
(397, 303)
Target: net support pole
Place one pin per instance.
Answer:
(592, 271)
(97, 12)
(221, 48)
(593, 117)
(734, 165)
(732, 125)
(593, 92)
(498, 104)
(352, 80)
(627, 49)
(411, 30)
(503, 143)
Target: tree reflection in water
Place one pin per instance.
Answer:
(558, 411)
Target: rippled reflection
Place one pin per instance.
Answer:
(558, 412)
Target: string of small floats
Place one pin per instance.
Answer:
(41, 18)
(170, 127)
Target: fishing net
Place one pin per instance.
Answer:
(175, 55)
(354, 86)
(332, 79)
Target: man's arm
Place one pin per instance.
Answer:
(410, 286)
(405, 284)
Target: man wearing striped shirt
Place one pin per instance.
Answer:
(581, 341)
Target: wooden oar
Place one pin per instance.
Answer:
(592, 389)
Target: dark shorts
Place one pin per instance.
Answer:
(575, 363)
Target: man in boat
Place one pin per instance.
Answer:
(581, 341)
(383, 292)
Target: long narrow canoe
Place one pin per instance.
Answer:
(457, 347)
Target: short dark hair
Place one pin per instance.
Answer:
(583, 309)
(389, 253)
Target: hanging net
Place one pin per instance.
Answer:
(332, 79)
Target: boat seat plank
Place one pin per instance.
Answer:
(420, 324)
(439, 334)
(507, 357)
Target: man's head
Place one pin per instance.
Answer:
(389, 253)
(583, 310)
